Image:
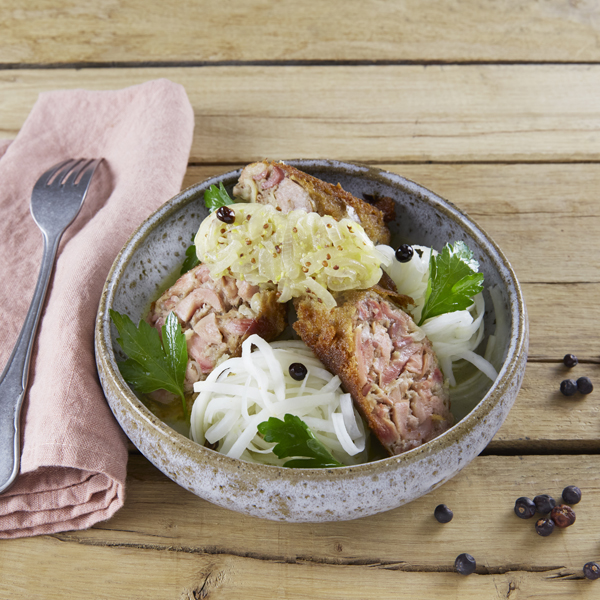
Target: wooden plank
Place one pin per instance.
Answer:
(371, 114)
(506, 30)
(160, 519)
(127, 574)
(563, 319)
(543, 420)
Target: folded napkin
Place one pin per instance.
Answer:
(74, 455)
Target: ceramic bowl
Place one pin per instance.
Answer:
(156, 250)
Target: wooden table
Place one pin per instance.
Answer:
(495, 108)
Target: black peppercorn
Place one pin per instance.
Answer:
(544, 503)
(571, 494)
(584, 385)
(568, 387)
(404, 253)
(544, 527)
(226, 215)
(591, 570)
(570, 360)
(298, 371)
(443, 514)
(524, 508)
(465, 564)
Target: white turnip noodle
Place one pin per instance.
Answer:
(243, 392)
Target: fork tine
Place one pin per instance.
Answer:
(88, 173)
(49, 174)
(62, 174)
(76, 170)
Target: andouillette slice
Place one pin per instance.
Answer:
(288, 188)
(216, 316)
(384, 361)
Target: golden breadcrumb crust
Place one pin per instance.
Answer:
(330, 334)
(329, 199)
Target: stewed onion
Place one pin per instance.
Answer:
(298, 252)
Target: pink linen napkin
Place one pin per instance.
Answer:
(74, 455)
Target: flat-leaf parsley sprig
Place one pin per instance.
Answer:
(153, 364)
(191, 258)
(215, 197)
(294, 438)
(453, 281)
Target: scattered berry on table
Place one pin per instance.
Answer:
(404, 253)
(544, 503)
(571, 494)
(568, 387)
(563, 515)
(544, 527)
(465, 564)
(584, 385)
(226, 215)
(298, 371)
(524, 508)
(443, 514)
(591, 570)
(570, 360)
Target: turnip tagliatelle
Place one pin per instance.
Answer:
(243, 392)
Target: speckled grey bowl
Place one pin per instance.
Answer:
(156, 251)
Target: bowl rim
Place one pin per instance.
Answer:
(518, 336)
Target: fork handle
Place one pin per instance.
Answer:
(13, 382)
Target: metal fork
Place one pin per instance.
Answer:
(56, 199)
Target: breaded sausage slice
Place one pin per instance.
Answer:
(384, 361)
(289, 189)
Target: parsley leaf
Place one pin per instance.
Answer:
(453, 281)
(191, 258)
(153, 364)
(215, 197)
(294, 438)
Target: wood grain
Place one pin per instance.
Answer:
(166, 542)
(370, 114)
(114, 30)
(118, 573)
(482, 497)
(543, 420)
(148, 574)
